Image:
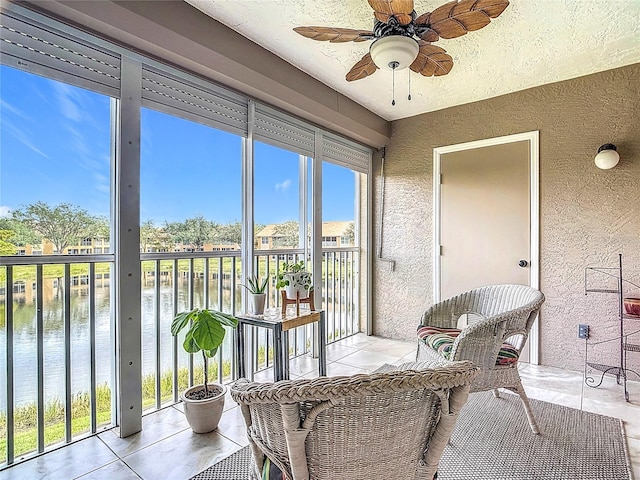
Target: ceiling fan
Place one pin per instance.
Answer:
(404, 39)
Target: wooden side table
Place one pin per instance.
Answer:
(280, 325)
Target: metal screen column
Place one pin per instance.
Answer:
(127, 250)
(247, 255)
(316, 233)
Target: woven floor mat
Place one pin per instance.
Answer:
(492, 441)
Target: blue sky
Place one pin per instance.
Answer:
(54, 147)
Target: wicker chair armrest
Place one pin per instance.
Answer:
(439, 318)
(446, 313)
(417, 365)
(479, 342)
(443, 315)
(457, 398)
(334, 388)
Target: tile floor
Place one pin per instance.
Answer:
(166, 448)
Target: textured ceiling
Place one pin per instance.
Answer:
(532, 43)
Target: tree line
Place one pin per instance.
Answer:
(66, 225)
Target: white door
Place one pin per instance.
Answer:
(486, 217)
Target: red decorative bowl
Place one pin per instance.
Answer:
(632, 306)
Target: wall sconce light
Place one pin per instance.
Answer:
(607, 156)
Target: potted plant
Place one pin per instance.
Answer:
(203, 404)
(294, 279)
(257, 294)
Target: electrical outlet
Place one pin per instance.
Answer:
(583, 331)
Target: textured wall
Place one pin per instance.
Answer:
(588, 215)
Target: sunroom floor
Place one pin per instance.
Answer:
(166, 447)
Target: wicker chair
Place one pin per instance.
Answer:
(381, 425)
(500, 317)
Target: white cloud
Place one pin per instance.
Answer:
(4, 211)
(7, 107)
(21, 136)
(102, 183)
(68, 105)
(284, 186)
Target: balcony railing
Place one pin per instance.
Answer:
(59, 329)
(51, 347)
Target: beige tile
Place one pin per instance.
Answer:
(338, 350)
(632, 428)
(308, 376)
(181, 456)
(263, 375)
(612, 409)
(551, 379)
(229, 403)
(155, 427)
(633, 445)
(394, 348)
(358, 340)
(68, 462)
(303, 365)
(233, 427)
(550, 396)
(610, 390)
(339, 369)
(368, 360)
(633, 387)
(115, 470)
(411, 356)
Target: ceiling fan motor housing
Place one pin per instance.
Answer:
(394, 52)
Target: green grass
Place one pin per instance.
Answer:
(25, 421)
(25, 417)
(28, 272)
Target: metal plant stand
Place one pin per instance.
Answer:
(624, 339)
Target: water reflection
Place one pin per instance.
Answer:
(25, 348)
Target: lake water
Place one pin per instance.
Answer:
(25, 345)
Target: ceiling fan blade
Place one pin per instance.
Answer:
(432, 61)
(362, 69)
(455, 19)
(385, 9)
(334, 34)
(428, 34)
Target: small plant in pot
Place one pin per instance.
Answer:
(203, 404)
(257, 293)
(294, 279)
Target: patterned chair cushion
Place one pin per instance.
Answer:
(441, 340)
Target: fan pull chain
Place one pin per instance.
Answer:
(409, 73)
(393, 85)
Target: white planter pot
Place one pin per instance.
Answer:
(298, 282)
(256, 303)
(204, 415)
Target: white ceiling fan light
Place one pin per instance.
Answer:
(395, 52)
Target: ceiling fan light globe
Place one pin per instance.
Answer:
(393, 50)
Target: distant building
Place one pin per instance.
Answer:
(86, 246)
(334, 234)
(207, 247)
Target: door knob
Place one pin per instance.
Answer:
(523, 263)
